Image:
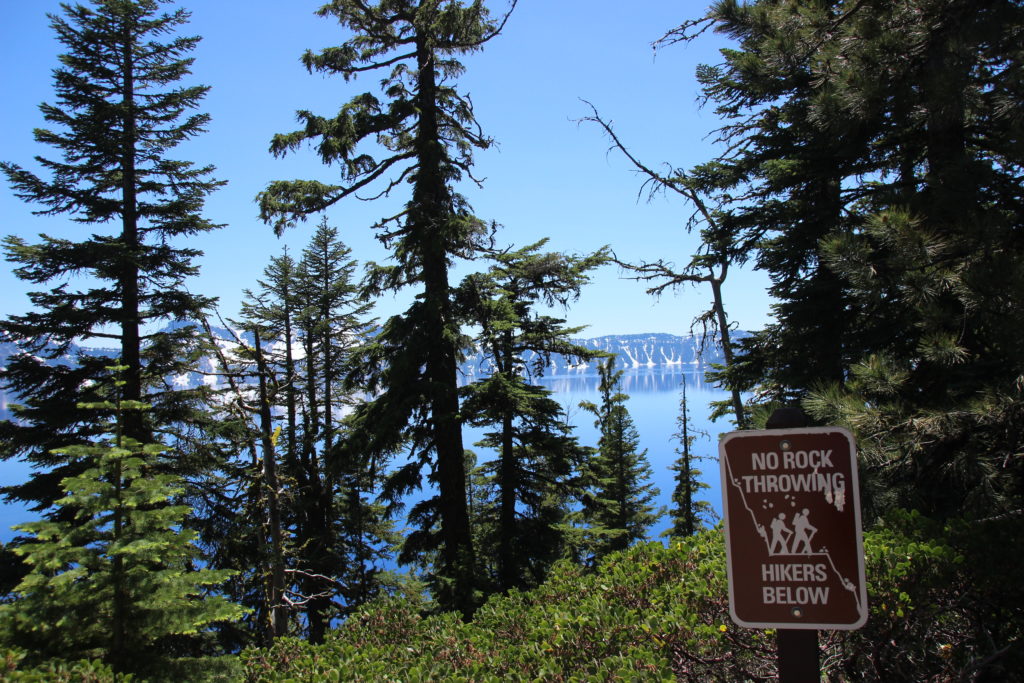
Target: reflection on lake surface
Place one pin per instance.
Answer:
(658, 379)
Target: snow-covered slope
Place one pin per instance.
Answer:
(654, 350)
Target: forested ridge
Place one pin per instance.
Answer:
(313, 509)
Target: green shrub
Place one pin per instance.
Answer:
(632, 618)
(192, 669)
(56, 671)
(945, 605)
(661, 613)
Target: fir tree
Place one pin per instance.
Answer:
(271, 316)
(332, 322)
(537, 456)
(617, 506)
(687, 512)
(872, 149)
(118, 115)
(796, 173)
(116, 579)
(324, 535)
(239, 508)
(427, 133)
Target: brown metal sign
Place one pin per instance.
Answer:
(792, 527)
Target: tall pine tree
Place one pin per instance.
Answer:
(687, 513)
(873, 171)
(617, 506)
(324, 535)
(337, 521)
(537, 455)
(427, 133)
(118, 115)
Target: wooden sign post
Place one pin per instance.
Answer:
(794, 551)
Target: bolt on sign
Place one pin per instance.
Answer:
(794, 551)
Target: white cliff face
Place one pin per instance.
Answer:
(654, 350)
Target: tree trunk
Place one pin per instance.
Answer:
(327, 352)
(430, 222)
(690, 524)
(723, 328)
(278, 611)
(289, 369)
(508, 570)
(119, 654)
(129, 269)
(950, 187)
(131, 424)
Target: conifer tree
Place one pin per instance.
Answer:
(241, 505)
(687, 512)
(116, 579)
(271, 317)
(119, 114)
(332, 322)
(427, 133)
(872, 170)
(793, 178)
(617, 506)
(322, 524)
(277, 306)
(537, 456)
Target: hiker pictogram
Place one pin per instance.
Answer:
(802, 532)
(780, 536)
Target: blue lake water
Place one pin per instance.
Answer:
(654, 395)
(653, 403)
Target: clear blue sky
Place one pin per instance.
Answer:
(550, 176)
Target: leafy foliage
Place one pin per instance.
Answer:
(871, 166)
(13, 667)
(660, 613)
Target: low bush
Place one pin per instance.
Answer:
(944, 605)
